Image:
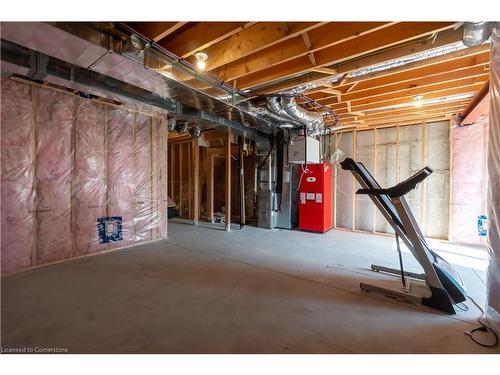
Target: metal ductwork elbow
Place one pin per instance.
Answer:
(476, 33)
(312, 120)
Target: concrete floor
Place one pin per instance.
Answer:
(251, 291)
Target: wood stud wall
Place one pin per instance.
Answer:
(159, 169)
(373, 170)
(188, 161)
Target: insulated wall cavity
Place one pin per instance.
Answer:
(437, 188)
(89, 181)
(345, 181)
(143, 199)
(393, 154)
(121, 167)
(386, 168)
(410, 161)
(364, 154)
(469, 181)
(54, 115)
(67, 163)
(17, 176)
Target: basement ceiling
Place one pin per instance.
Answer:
(325, 58)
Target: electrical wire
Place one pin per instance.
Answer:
(269, 153)
(304, 171)
(482, 328)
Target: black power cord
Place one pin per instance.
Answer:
(482, 328)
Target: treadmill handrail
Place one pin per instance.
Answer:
(402, 188)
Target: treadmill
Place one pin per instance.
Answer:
(445, 285)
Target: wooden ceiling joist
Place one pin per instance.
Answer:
(465, 66)
(156, 31)
(444, 38)
(254, 39)
(383, 95)
(328, 35)
(403, 110)
(201, 36)
(426, 84)
(409, 113)
(399, 100)
(364, 44)
(267, 57)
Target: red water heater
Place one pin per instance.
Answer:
(315, 201)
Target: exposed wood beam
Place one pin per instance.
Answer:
(307, 41)
(409, 113)
(395, 111)
(156, 31)
(468, 66)
(324, 70)
(202, 35)
(477, 106)
(331, 91)
(401, 99)
(349, 89)
(460, 66)
(468, 54)
(254, 39)
(420, 87)
(311, 58)
(328, 35)
(386, 37)
(444, 38)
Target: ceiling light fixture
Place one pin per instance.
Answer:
(418, 100)
(201, 57)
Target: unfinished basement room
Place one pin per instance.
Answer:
(250, 187)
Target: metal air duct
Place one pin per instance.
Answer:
(312, 120)
(476, 33)
(274, 105)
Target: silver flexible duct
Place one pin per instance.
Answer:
(312, 120)
(274, 105)
(284, 122)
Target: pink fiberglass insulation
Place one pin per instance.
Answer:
(143, 205)
(17, 176)
(121, 172)
(469, 181)
(91, 161)
(54, 165)
(89, 183)
(160, 217)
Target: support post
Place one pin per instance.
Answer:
(196, 181)
(335, 171)
(190, 179)
(210, 187)
(180, 179)
(242, 184)
(228, 181)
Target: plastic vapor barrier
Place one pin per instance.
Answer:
(469, 181)
(77, 176)
(493, 279)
